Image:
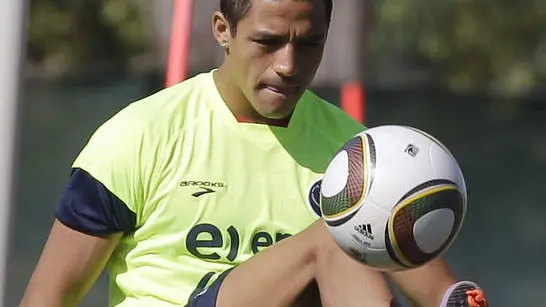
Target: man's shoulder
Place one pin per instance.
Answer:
(329, 118)
(167, 109)
(144, 126)
(179, 98)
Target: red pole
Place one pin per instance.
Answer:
(177, 64)
(353, 100)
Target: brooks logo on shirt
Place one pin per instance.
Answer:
(204, 186)
(203, 192)
(199, 183)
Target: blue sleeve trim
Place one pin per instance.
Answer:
(89, 207)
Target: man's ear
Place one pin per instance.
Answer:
(221, 30)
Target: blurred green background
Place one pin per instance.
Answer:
(477, 82)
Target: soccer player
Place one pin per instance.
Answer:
(205, 194)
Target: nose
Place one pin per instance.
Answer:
(285, 61)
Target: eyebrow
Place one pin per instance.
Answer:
(271, 34)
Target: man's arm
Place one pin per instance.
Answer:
(69, 265)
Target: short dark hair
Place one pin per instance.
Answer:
(235, 10)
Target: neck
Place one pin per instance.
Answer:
(238, 104)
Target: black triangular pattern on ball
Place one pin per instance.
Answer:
(424, 185)
(342, 220)
(349, 196)
(390, 250)
(405, 218)
(373, 160)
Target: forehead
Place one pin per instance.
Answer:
(282, 16)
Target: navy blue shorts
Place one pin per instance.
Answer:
(208, 297)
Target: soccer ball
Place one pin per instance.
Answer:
(393, 197)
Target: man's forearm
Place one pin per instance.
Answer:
(48, 297)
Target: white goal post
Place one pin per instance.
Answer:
(13, 16)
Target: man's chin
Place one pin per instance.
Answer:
(277, 109)
(275, 105)
(277, 114)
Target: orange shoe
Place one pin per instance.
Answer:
(464, 294)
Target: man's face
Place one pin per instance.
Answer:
(276, 52)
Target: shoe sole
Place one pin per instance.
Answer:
(455, 295)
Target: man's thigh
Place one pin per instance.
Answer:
(310, 297)
(284, 274)
(345, 282)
